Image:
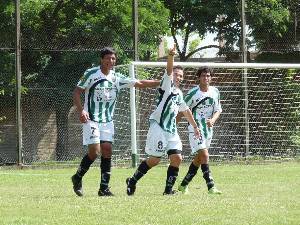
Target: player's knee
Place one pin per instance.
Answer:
(176, 160)
(94, 151)
(106, 149)
(202, 156)
(197, 160)
(205, 158)
(175, 157)
(152, 161)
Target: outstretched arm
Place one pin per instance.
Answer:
(147, 83)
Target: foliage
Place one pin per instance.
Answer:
(7, 23)
(200, 17)
(61, 39)
(67, 34)
(269, 21)
(153, 25)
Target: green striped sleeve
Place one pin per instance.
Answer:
(189, 96)
(85, 77)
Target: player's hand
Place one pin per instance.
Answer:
(196, 132)
(172, 51)
(210, 122)
(84, 116)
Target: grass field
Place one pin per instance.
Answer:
(252, 194)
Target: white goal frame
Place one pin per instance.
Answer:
(243, 66)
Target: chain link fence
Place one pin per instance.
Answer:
(271, 112)
(61, 39)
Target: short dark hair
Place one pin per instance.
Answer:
(106, 51)
(204, 69)
(178, 67)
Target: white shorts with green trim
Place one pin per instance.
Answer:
(203, 142)
(159, 141)
(94, 132)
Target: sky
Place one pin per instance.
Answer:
(208, 40)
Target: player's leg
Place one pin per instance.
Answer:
(105, 168)
(207, 175)
(192, 171)
(196, 144)
(173, 169)
(90, 138)
(106, 136)
(155, 147)
(142, 169)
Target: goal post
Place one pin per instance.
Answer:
(260, 117)
(134, 155)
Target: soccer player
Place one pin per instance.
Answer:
(101, 86)
(162, 135)
(204, 102)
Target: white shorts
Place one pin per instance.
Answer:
(203, 142)
(94, 132)
(159, 141)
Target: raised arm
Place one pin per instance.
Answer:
(170, 61)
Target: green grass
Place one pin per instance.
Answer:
(252, 194)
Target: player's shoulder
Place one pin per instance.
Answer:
(178, 90)
(214, 89)
(193, 90)
(88, 75)
(91, 71)
(118, 75)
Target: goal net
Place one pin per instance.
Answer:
(261, 109)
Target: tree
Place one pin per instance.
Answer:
(267, 20)
(60, 39)
(270, 23)
(200, 17)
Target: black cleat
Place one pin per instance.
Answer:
(77, 185)
(106, 193)
(130, 188)
(173, 192)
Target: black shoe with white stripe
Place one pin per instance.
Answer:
(172, 192)
(77, 185)
(130, 188)
(105, 193)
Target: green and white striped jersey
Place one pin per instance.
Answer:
(168, 103)
(101, 92)
(203, 104)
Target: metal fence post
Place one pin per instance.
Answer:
(18, 83)
(245, 76)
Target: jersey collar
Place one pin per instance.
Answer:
(109, 76)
